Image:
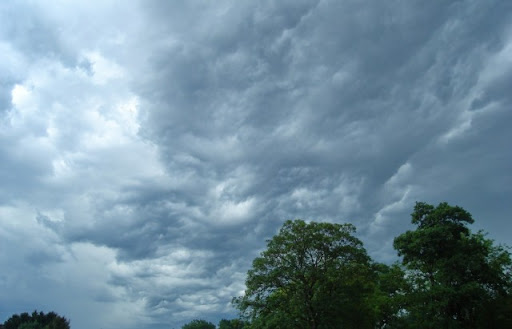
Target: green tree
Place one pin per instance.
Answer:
(36, 321)
(30, 325)
(389, 299)
(312, 275)
(456, 275)
(198, 324)
(232, 324)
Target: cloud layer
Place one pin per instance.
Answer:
(148, 149)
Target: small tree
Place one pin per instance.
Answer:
(198, 324)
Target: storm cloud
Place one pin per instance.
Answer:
(148, 149)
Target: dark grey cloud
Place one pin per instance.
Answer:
(149, 149)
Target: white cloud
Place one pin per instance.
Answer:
(103, 70)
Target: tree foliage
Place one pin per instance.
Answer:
(36, 321)
(312, 275)
(198, 324)
(456, 275)
(232, 324)
(318, 276)
(389, 299)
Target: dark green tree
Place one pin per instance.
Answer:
(36, 321)
(232, 324)
(389, 299)
(30, 325)
(312, 275)
(455, 275)
(198, 324)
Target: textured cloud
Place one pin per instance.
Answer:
(148, 149)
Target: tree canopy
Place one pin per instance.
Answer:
(36, 320)
(455, 275)
(199, 324)
(319, 276)
(232, 324)
(312, 275)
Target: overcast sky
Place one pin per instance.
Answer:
(148, 149)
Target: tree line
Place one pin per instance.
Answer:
(36, 320)
(319, 276)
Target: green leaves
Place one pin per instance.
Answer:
(232, 324)
(426, 215)
(198, 324)
(318, 275)
(453, 272)
(309, 275)
(36, 321)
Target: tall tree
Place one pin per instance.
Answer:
(312, 275)
(456, 275)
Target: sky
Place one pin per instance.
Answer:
(148, 149)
